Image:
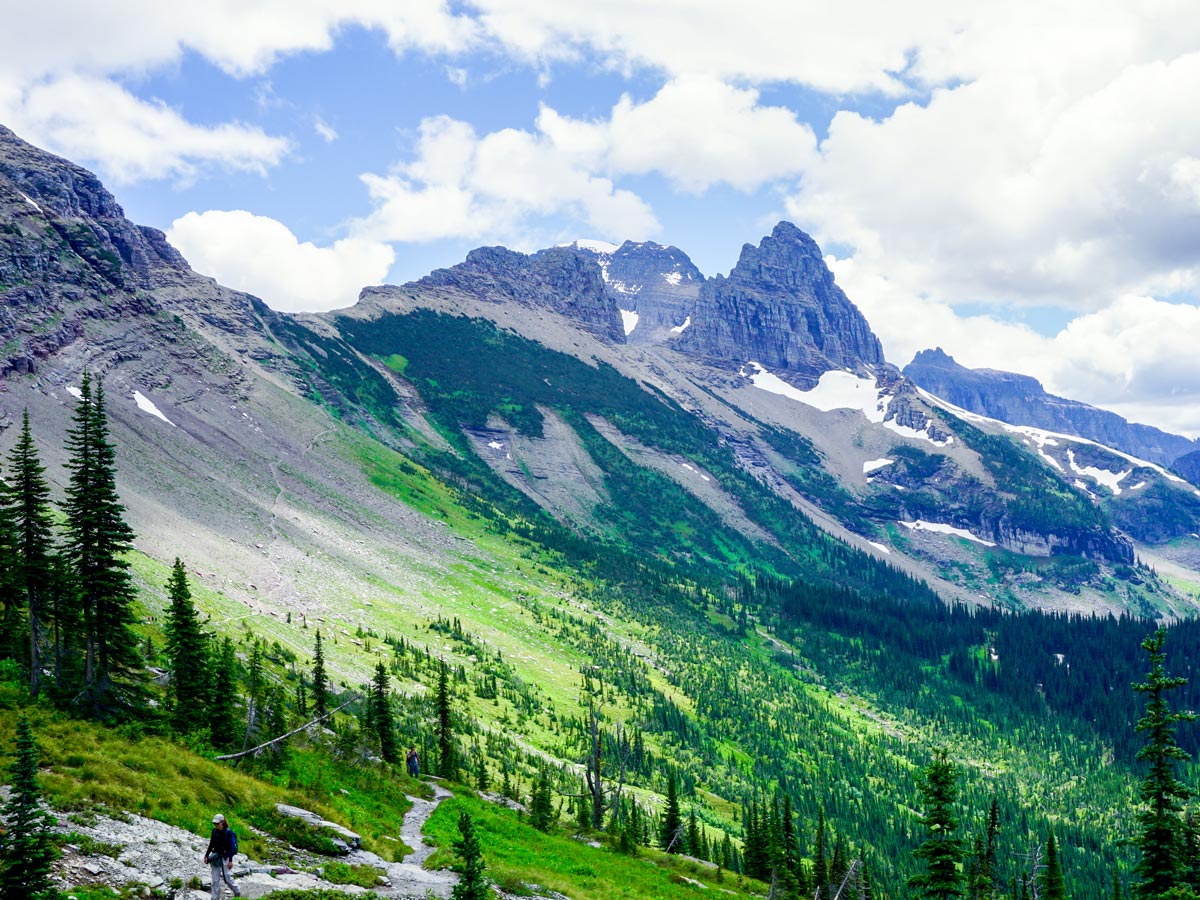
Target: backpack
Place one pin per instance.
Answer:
(233, 844)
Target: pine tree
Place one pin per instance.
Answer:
(941, 850)
(472, 884)
(27, 847)
(1051, 881)
(1163, 793)
(98, 540)
(820, 859)
(187, 656)
(447, 764)
(988, 869)
(693, 834)
(320, 681)
(380, 718)
(223, 701)
(541, 803)
(33, 542)
(276, 720)
(670, 832)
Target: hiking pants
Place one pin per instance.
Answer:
(221, 871)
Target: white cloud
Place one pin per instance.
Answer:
(90, 118)
(463, 185)
(260, 255)
(324, 130)
(459, 184)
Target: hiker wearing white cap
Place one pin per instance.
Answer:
(222, 848)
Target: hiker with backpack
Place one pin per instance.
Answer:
(222, 848)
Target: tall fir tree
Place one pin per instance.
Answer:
(541, 802)
(27, 847)
(1052, 885)
(941, 850)
(320, 681)
(821, 859)
(98, 540)
(187, 656)
(1163, 794)
(447, 764)
(472, 883)
(670, 832)
(223, 698)
(380, 718)
(33, 544)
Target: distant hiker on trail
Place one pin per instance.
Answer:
(222, 848)
(413, 761)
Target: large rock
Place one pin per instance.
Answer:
(780, 307)
(342, 836)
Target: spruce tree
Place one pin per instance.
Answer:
(1053, 885)
(541, 803)
(320, 681)
(693, 834)
(670, 832)
(447, 764)
(223, 699)
(187, 656)
(941, 850)
(33, 545)
(27, 847)
(472, 884)
(98, 540)
(821, 859)
(380, 717)
(1163, 794)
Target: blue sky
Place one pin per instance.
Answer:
(1017, 183)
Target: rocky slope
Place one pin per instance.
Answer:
(1021, 400)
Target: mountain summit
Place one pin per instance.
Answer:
(780, 307)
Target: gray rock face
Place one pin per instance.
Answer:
(1188, 466)
(660, 284)
(560, 278)
(780, 307)
(1021, 400)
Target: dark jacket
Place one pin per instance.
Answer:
(223, 843)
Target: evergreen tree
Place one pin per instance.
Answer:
(380, 718)
(670, 832)
(472, 884)
(31, 524)
(1163, 794)
(941, 850)
(187, 656)
(447, 764)
(320, 681)
(98, 540)
(988, 869)
(483, 781)
(27, 847)
(694, 847)
(820, 859)
(276, 720)
(223, 701)
(541, 803)
(1051, 882)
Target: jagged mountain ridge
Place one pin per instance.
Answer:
(1021, 400)
(820, 406)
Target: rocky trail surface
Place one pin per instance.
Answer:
(169, 861)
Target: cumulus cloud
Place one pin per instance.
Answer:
(696, 132)
(261, 256)
(92, 118)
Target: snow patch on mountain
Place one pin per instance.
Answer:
(593, 245)
(872, 465)
(880, 547)
(942, 528)
(621, 287)
(919, 434)
(1111, 480)
(835, 390)
(146, 405)
(74, 392)
(29, 200)
(680, 329)
(673, 278)
(629, 320)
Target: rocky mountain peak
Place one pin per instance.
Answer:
(560, 278)
(654, 286)
(781, 308)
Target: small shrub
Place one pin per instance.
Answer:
(344, 873)
(89, 846)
